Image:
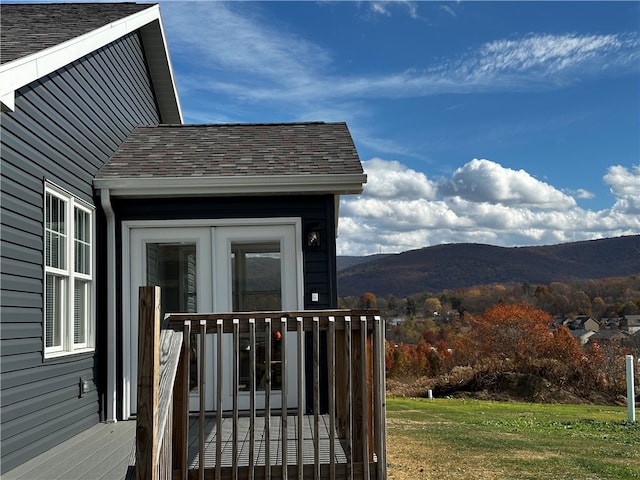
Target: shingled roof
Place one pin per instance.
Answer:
(235, 158)
(30, 28)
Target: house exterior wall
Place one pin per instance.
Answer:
(64, 128)
(319, 263)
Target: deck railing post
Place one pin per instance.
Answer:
(181, 406)
(148, 382)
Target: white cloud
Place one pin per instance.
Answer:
(391, 179)
(625, 186)
(487, 181)
(493, 204)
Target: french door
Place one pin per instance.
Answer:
(219, 268)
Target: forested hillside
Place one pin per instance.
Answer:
(453, 266)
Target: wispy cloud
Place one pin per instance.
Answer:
(540, 59)
(256, 60)
(384, 7)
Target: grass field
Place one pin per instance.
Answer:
(480, 440)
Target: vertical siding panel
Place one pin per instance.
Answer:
(64, 128)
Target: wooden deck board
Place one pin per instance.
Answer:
(98, 453)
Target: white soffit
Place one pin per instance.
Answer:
(22, 71)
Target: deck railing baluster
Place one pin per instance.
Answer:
(316, 398)
(235, 384)
(219, 332)
(380, 398)
(201, 391)
(364, 404)
(267, 399)
(283, 397)
(300, 351)
(331, 361)
(252, 396)
(348, 397)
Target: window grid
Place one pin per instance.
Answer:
(68, 318)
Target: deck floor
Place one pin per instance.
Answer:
(276, 434)
(102, 452)
(99, 453)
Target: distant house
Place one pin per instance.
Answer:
(609, 335)
(630, 323)
(582, 322)
(103, 189)
(612, 322)
(586, 322)
(582, 336)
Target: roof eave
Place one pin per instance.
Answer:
(344, 184)
(22, 71)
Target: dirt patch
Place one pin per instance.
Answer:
(432, 462)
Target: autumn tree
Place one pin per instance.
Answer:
(521, 333)
(431, 306)
(368, 300)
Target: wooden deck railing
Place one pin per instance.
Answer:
(354, 395)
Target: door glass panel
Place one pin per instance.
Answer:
(256, 277)
(172, 267)
(257, 285)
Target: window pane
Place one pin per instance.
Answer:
(54, 293)
(80, 311)
(82, 250)
(256, 276)
(172, 267)
(55, 242)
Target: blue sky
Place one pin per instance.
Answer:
(508, 123)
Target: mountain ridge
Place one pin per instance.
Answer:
(460, 265)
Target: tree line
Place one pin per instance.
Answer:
(469, 338)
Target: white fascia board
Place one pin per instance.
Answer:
(22, 71)
(233, 186)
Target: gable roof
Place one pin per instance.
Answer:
(227, 159)
(38, 39)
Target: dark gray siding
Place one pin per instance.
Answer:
(64, 128)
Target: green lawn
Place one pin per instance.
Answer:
(470, 439)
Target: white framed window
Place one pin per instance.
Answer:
(68, 267)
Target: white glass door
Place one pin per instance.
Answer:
(218, 268)
(178, 260)
(256, 269)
